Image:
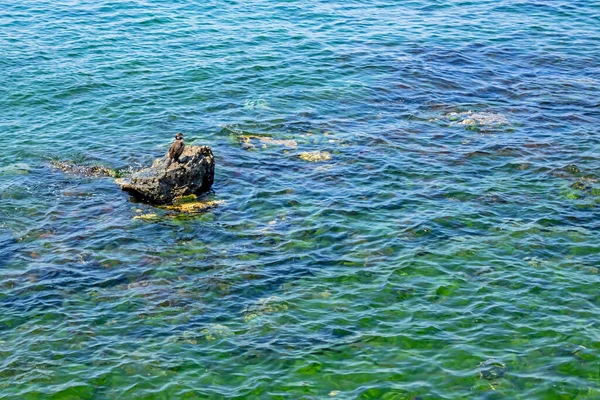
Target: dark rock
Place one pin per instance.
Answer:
(482, 271)
(579, 186)
(193, 174)
(492, 370)
(572, 169)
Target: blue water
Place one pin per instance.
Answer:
(433, 254)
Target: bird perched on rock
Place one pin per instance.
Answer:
(175, 150)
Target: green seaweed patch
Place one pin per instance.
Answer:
(573, 194)
(192, 198)
(445, 290)
(310, 368)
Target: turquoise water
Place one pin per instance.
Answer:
(428, 258)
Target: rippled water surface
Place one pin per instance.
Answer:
(447, 248)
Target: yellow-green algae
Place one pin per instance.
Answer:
(191, 204)
(315, 156)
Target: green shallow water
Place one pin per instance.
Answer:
(427, 259)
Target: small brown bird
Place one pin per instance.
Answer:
(175, 150)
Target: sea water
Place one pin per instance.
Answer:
(408, 200)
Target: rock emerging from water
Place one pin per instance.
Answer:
(192, 175)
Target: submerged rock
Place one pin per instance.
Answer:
(492, 370)
(193, 174)
(214, 331)
(15, 169)
(265, 141)
(84, 170)
(315, 156)
(477, 118)
(267, 305)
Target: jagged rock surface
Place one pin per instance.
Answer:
(193, 174)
